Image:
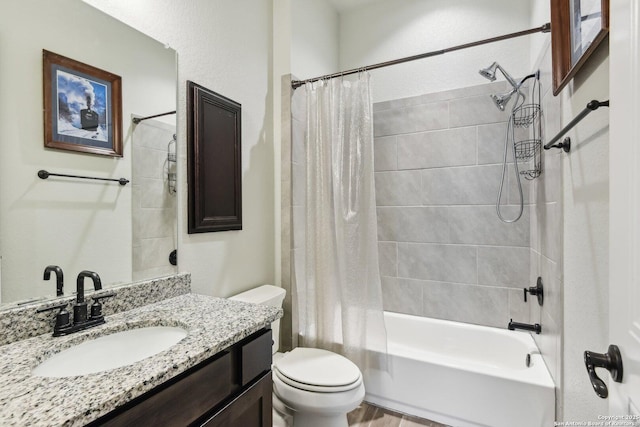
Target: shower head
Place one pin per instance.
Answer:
(501, 101)
(489, 72)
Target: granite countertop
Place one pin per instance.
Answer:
(213, 324)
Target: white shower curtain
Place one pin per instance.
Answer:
(336, 275)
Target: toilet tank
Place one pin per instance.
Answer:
(270, 295)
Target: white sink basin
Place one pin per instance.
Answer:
(110, 351)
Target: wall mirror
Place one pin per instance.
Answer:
(577, 28)
(124, 233)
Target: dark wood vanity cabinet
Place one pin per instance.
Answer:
(232, 388)
(251, 408)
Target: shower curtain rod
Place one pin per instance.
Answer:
(542, 29)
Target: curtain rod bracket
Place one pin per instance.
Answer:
(566, 143)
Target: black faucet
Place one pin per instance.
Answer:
(80, 309)
(59, 278)
(81, 321)
(524, 326)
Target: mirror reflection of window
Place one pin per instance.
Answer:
(585, 26)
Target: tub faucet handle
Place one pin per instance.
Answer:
(537, 291)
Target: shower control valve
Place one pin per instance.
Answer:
(537, 290)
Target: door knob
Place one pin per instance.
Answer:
(611, 361)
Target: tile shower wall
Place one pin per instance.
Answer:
(547, 235)
(443, 251)
(154, 206)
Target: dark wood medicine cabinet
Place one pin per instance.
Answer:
(577, 28)
(214, 161)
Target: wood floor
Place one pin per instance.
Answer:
(371, 416)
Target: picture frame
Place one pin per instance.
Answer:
(577, 29)
(214, 164)
(82, 107)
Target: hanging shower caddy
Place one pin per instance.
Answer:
(171, 165)
(529, 116)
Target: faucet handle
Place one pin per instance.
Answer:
(96, 307)
(103, 295)
(62, 305)
(63, 318)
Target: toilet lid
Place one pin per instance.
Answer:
(317, 367)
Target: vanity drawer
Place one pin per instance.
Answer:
(253, 408)
(255, 357)
(183, 400)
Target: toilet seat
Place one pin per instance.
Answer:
(317, 370)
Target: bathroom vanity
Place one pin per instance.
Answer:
(218, 375)
(232, 388)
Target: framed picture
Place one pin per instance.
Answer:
(577, 28)
(214, 161)
(82, 107)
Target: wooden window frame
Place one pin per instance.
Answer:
(561, 44)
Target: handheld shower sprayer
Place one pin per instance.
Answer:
(501, 101)
(489, 73)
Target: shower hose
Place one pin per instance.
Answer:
(510, 133)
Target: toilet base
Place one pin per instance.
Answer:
(286, 417)
(293, 418)
(282, 416)
(279, 420)
(301, 419)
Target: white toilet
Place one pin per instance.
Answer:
(314, 387)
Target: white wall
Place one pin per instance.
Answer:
(390, 30)
(586, 236)
(539, 15)
(225, 46)
(585, 200)
(314, 41)
(75, 224)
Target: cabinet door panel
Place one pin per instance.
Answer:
(251, 409)
(256, 357)
(183, 401)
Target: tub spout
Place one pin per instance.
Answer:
(524, 326)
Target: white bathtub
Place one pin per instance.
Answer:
(462, 375)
